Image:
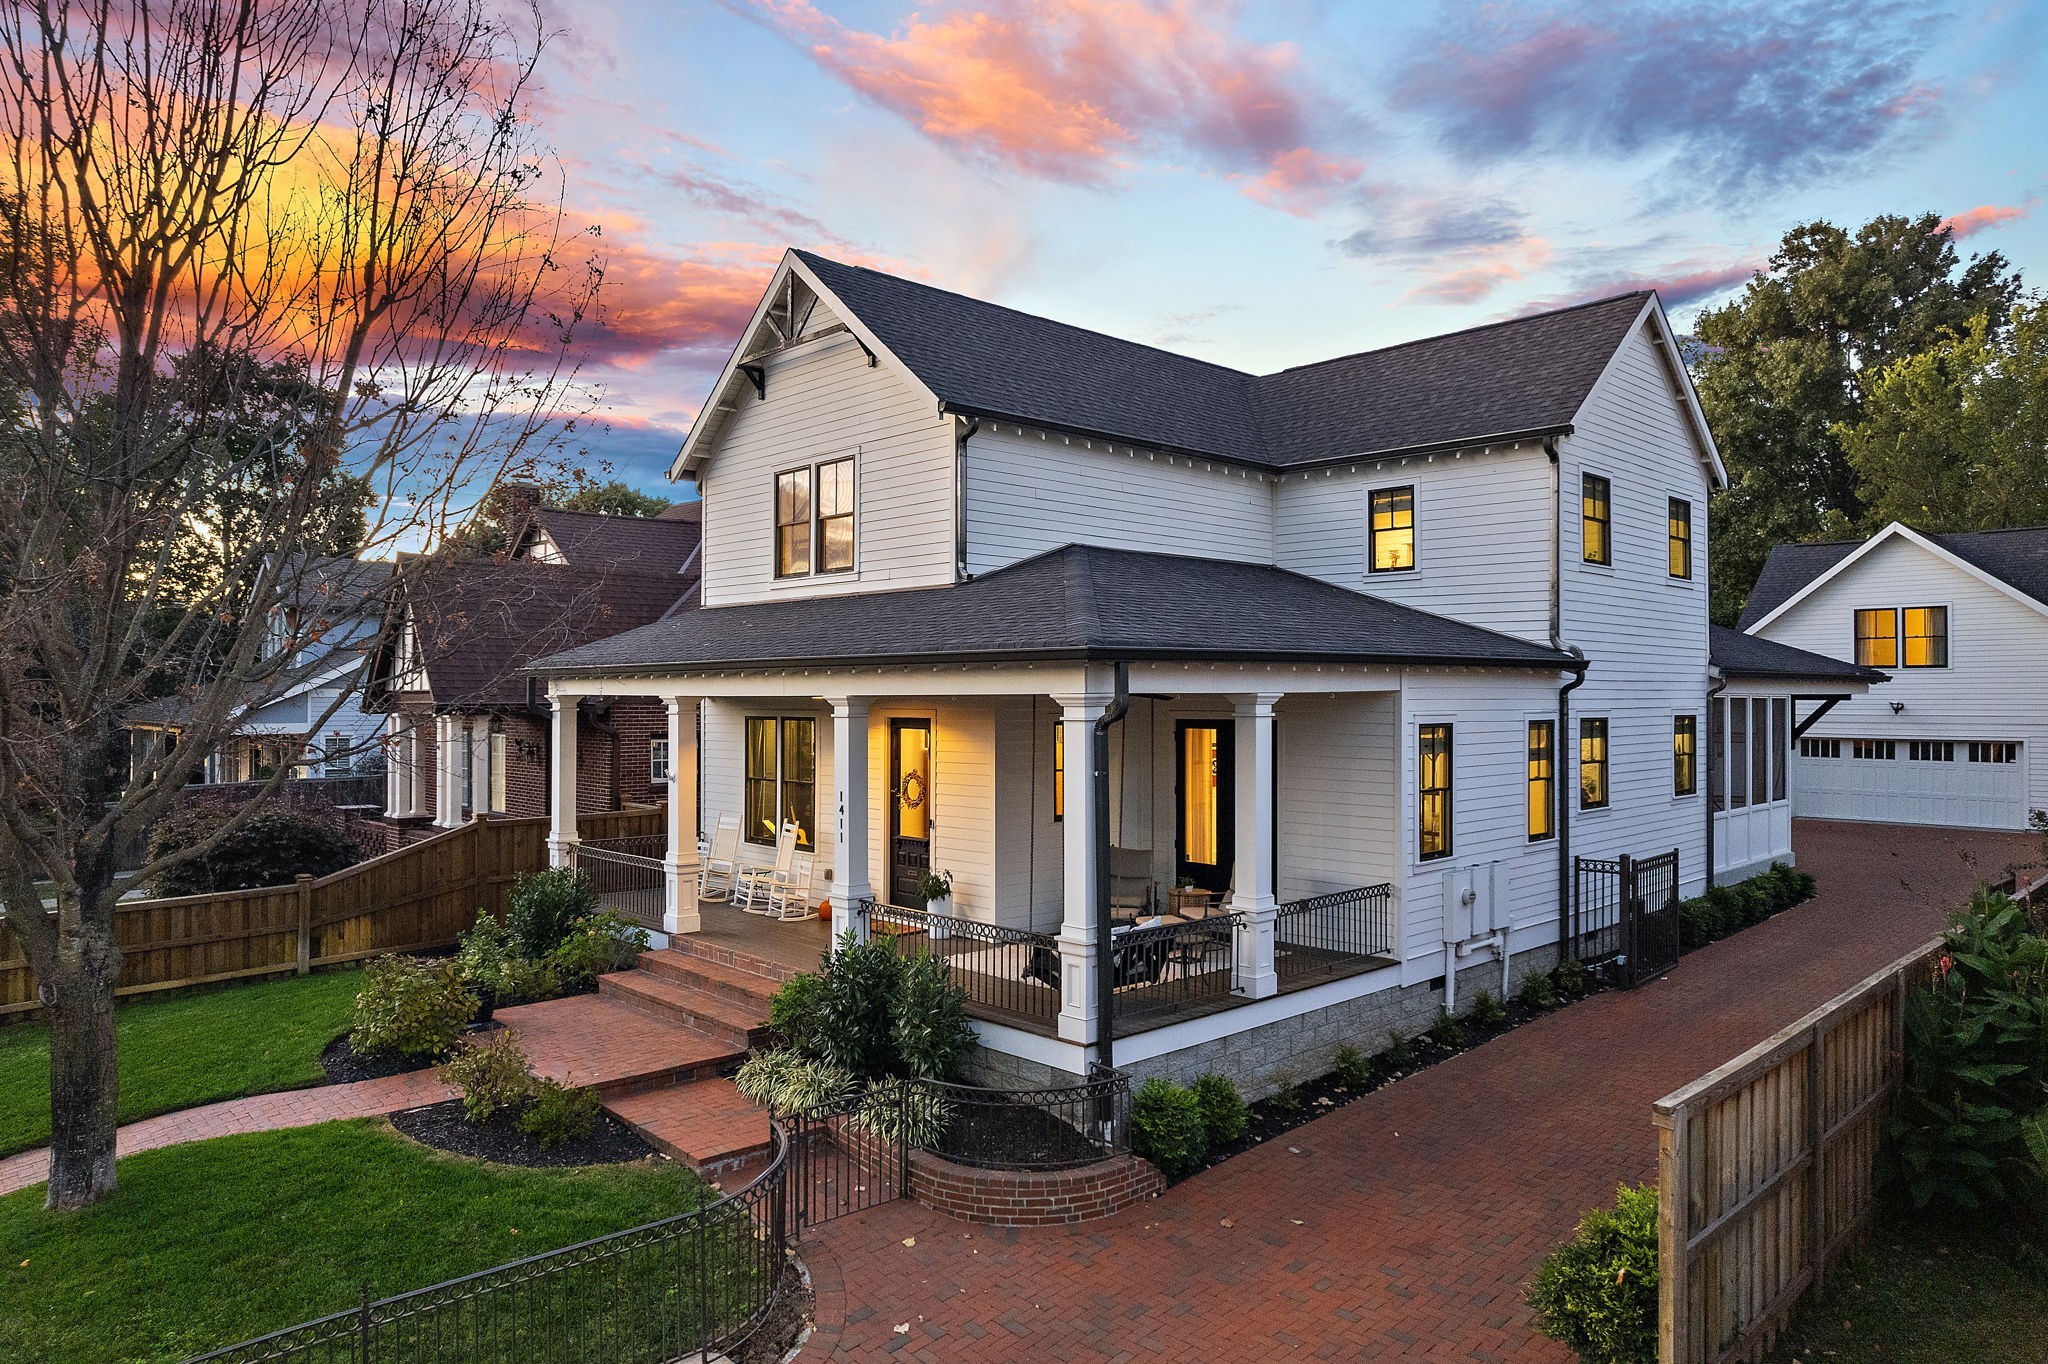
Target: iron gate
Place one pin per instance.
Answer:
(1625, 915)
(847, 1156)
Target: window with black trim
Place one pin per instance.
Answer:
(1542, 780)
(1877, 638)
(781, 777)
(1433, 791)
(1393, 529)
(1593, 764)
(1059, 770)
(1680, 532)
(814, 509)
(1923, 635)
(835, 516)
(1596, 519)
(793, 523)
(1685, 755)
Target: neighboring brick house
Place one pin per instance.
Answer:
(466, 732)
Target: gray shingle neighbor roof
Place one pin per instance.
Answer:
(2017, 557)
(1740, 655)
(1523, 377)
(1077, 602)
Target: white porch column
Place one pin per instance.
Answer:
(479, 764)
(850, 883)
(562, 780)
(447, 757)
(1252, 971)
(681, 914)
(1078, 714)
(394, 769)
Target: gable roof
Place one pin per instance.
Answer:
(620, 544)
(1525, 377)
(1073, 603)
(2016, 558)
(1738, 655)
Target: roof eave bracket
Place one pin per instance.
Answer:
(758, 376)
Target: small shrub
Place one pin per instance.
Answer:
(1399, 1055)
(492, 1075)
(1537, 991)
(762, 1075)
(1723, 910)
(906, 1111)
(1756, 900)
(410, 1006)
(928, 1020)
(1597, 1293)
(482, 953)
(1224, 1113)
(545, 905)
(1487, 1012)
(1696, 924)
(1447, 1031)
(1167, 1127)
(788, 1080)
(526, 980)
(1354, 1070)
(793, 1011)
(856, 1009)
(1286, 1099)
(1569, 976)
(595, 945)
(270, 848)
(559, 1115)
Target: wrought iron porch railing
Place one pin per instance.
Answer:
(1036, 1129)
(1164, 969)
(627, 883)
(1331, 935)
(1008, 974)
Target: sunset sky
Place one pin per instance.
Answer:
(1258, 184)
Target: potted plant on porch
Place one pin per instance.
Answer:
(935, 888)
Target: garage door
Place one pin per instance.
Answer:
(1977, 784)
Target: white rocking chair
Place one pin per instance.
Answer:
(718, 877)
(751, 892)
(789, 897)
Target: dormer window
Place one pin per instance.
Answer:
(814, 509)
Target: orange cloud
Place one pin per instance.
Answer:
(1972, 220)
(1080, 90)
(1487, 270)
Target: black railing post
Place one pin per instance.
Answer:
(363, 1327)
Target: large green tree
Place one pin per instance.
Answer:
(1787, 366)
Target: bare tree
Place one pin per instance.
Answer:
(200, 196)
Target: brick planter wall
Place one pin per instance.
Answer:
(1032, 1198)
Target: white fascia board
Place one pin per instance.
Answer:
(1900, 530)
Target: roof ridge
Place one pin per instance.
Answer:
(1462, 331)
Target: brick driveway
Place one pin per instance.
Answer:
(1404, 1225)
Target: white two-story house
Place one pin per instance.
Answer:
(1959, 736)
(1368, 653)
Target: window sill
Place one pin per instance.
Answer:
(848, 575)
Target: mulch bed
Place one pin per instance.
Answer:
(1015, 1138)
(778, 1332)
(445, 1127)
(344, 1065)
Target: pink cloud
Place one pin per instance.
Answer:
(1973, 220)
(1080, 90)
(1677, 285)
(1468, 276)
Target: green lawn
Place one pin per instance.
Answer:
(1927, 1292)
(192, 1049)
(210, 1243)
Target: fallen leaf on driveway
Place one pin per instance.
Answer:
(910, 1240)
(902, 1328)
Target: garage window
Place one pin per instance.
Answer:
(1874, 750)
(1994, 753)
(1820, 748)
(1931, 751)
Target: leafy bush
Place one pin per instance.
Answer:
(1537, 991)
(856, 1012)
(1597, 1293)
(1354, 1070)
(559, 1115)
(1487, 1012)
(1224, 1113)
(1695, 924)
(1167, 1127)
(1447, 1031)
(525, 980)
(411, 1006)
(544, 906)
(1976, 1060)
(481, 954)
(792, 1082)
(596, 944)
(1569, 976)
(493, 1077)
(904, 1110)
(1398, 1056)
(793, 1011)
(270, 848)
(928, 1020)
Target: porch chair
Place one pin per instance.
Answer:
(789, 897)
(719, 875)
(751, 891)
(1131, 888)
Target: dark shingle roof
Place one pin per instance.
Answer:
(621, 544)
(2016, 557)
(1740, 655)
(1527, 375)
(1068, 603)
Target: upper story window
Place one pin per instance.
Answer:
(1680, 520)
(1592, 764)
(1393, 529)
(1877, 638)
(1909, 636)
(1433, 791)
(1596, 519)
(1542, 779)
(814, 519)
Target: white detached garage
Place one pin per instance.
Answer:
(1959, 736)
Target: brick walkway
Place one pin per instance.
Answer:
(1404, 1225)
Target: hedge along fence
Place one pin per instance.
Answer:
(1767, 1169)
(416, 898)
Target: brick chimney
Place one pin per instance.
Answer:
(517, 502)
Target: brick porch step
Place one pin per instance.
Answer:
(707, 1124)
(689, 945)
(732, 983)
(741, 1023)
(614, 1048)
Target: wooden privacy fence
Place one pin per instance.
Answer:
(418, 897)
(1767, 1169)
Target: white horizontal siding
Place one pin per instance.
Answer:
(1340, 809)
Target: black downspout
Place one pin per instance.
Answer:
(1098, 764)
(1564, 826)
(960, 574)
(1713, 742)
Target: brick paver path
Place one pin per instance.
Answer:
(1403, 1225)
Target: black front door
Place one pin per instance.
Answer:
(910, 808)
(1205, 793)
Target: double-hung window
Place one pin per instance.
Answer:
(1393, 529)
(1923, 636)
(1680, 535)
(1542, 779)
(657, 761)
(1877, 638)
(1433, 791)
(1593, 764)
(814, 509)
(782, 777)
(1685, 755)
(1596, 519)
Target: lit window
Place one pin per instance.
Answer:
(1681, 538)
(1685, 755)
(1433, 791)
(1393, 529)
(781, 777)
(1059, 769)
(1592, 764)
(1925, 636)
(793, 523)
(835, 516)
(1596, 519)
(1542, 779)
(1877, 638)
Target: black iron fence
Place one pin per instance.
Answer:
(1165, 969)
(847, 1156)
(628, 883)
(1624, 915)
(1036, 1129)
(1333, 935)
(1008, 974)
(686, 1287)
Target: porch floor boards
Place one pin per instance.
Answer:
(796, 944)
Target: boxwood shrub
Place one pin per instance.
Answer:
(1597, 1293)
(1167, 1127)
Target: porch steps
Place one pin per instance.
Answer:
(690, 945)
(739, 1023)
(732, 984)
(706, 1124)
